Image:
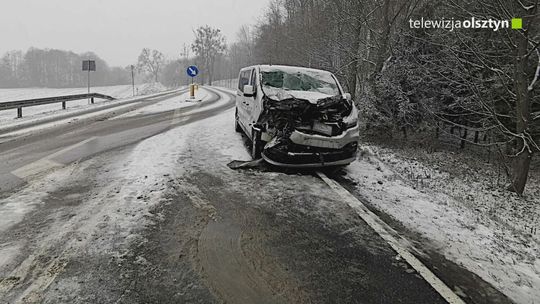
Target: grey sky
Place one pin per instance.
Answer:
(117, 30)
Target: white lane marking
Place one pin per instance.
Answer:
(387, 233)
(46, 163)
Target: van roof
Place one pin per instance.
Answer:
(285, 68)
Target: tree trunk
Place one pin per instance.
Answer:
(385, 36)
(521, 172)
(523, 159)
(353, 68)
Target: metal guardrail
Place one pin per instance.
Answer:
(10, 105)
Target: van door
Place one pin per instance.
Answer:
(252, 108)
(243, 79)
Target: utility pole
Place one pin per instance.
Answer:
(89, 82)
(133, 78)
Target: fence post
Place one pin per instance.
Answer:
(463, 138)
(19, 112)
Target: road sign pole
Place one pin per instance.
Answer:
(89, 65)
(88, 85)
(192, 90)
(192, 72)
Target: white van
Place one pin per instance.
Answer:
(296, 117)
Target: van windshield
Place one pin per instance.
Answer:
(307, 81)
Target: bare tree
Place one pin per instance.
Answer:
(151, 61)
(208, 44)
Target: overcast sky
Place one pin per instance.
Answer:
(117, 30)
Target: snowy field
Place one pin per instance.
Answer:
(473, 223)
(8, 118)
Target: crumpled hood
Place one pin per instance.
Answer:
(279, 94)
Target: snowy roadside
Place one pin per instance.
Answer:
(32, 114)
(470, 222)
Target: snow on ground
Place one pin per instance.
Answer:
(488, 238)
(30, 113)
(174, 103)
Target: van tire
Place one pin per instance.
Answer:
(257, 145)
(237, 127)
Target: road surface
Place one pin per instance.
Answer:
(144, 209)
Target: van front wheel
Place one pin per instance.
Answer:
(257, 145)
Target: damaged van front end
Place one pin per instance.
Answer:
(303, 131)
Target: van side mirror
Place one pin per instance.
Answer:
(249, 91)
(347, 96)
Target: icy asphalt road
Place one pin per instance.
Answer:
(143, 209)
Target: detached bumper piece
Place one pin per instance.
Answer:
(296, 156)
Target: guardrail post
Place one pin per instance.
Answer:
(63, 105)
(19, 112)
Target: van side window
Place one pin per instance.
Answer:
(253, 78)
(243, 80)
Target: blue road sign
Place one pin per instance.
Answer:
(192, 71)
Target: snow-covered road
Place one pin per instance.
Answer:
(143, 209)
